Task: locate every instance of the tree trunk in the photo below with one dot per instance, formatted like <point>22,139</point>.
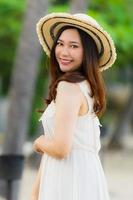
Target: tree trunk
<point>77,6</point>
<point>23,81</point>
<point>123,120</point>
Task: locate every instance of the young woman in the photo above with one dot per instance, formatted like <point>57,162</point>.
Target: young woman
<point>78,49</point>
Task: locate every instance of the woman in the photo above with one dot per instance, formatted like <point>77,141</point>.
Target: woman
<point>78,49</point>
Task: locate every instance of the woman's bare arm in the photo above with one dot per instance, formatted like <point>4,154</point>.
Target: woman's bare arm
<point>68,102</point>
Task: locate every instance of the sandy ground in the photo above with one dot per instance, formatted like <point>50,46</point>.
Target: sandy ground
<point>118,167</point>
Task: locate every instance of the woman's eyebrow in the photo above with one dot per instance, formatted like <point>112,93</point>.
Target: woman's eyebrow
<point>74,42</point>
<point>69,41</point>
<point>60,40</point>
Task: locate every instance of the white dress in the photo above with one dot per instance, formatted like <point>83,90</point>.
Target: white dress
<point>80,175</point>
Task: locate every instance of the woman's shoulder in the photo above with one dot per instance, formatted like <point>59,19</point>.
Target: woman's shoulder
<point>68,94</point>
<point>67,87</point>
<point>67,90</point>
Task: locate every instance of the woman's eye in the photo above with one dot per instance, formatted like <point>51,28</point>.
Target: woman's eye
<point>59,44</point>
<point>74,46</point>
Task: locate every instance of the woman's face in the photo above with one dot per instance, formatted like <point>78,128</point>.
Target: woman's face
<point>69,50</point>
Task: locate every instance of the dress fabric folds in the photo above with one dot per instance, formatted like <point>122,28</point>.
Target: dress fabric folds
<point>80,175</point>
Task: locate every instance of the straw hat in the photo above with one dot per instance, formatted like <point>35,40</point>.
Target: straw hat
<point>48,27</point>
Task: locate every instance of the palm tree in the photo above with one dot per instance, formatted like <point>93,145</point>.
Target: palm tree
<point>23,82</point>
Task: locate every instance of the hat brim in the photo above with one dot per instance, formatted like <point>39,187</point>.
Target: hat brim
<point>48,27</point>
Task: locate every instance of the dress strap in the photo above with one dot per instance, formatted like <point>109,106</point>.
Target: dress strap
<point>84,86</point>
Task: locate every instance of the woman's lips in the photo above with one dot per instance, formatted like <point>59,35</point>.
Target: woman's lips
<point>65,61</point>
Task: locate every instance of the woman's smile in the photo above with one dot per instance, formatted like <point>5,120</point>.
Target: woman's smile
<point>65,61</point>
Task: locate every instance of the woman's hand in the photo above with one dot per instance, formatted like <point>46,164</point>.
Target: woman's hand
<point>38,144</point>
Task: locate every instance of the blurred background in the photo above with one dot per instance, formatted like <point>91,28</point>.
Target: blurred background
<point>24,79</point>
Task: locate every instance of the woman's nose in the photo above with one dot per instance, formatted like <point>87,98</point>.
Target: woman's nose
<point>65,51</point>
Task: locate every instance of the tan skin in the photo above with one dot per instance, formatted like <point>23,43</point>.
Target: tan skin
<point>60,144</point>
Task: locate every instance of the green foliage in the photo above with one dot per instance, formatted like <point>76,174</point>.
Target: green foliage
<point>116,18</point>
<point>38,102</point>
<point>11,13</point>
<point>59,8</point>
<point>58,2</point>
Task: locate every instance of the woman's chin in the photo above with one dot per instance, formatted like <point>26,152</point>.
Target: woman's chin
<point>65,70</point>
